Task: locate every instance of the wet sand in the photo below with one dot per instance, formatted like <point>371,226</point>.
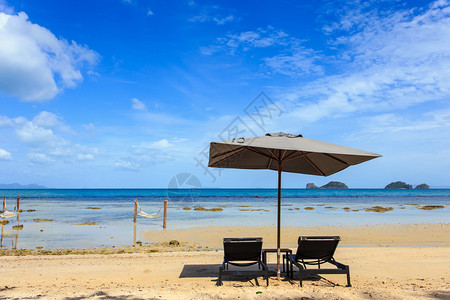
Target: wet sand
<point>415,235</point>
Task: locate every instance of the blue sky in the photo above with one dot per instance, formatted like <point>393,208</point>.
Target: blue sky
<point>129,93</point>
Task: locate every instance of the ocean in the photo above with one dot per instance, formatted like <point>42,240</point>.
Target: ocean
<point>55,218</point>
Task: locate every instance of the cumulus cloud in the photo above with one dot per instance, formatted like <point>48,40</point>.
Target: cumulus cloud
<point>46,137</point>
<point>161,144</point>
<point>34,64</point>
<point>5,155</point>
<point>150,12</point>
<point>136,104</point>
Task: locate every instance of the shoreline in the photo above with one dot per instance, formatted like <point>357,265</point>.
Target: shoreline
<point>210,238</point>
<point>380,235</point>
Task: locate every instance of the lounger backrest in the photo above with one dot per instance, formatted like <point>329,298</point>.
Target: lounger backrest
<point>316,247</point>
<point>242,249</point>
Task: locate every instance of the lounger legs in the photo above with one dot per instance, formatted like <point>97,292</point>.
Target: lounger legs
<point>219,280</point>
<point>223,269</point>
<point>348,277</point>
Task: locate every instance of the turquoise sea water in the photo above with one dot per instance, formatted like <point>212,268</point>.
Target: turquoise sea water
<point>68,207</point>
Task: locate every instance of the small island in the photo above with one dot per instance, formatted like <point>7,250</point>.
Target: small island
<point>329,185</point>
<point>423,186</point>
<point>398,185</point>
<point>311,186</point>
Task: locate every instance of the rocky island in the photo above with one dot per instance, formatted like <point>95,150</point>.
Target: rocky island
<point>423,186</point>
<point>398,185</point>
<point>329,185</point>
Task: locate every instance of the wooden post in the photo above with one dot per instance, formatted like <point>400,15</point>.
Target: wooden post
<point>4,204</point>
<point>165,213</point>
<point>134,234</point>
<point>135,210</point>
<point>17,211</point>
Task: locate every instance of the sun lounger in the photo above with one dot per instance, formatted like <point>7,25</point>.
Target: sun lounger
<point>316,251</point>
<point>242,252</point>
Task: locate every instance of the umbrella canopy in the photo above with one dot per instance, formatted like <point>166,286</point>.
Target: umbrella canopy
<point>288,153</point>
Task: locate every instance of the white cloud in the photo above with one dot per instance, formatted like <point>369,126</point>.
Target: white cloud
<point>161,144</point>
<point>146,154</point>
<point>299,61</point>
<point>34,64</point>
<point>47,119</point>
<point>136,104</point>
<point>393,123</point>
<point>212,14</point>
<point>5,121</point>
<point>5,155</point>
<point>289,57</point>
<point>127,165</point>
<point>35,136</point>
<point>206,18</point>
<point>39,158</point>
<point>46,138</point>
<point>261,38</point>
<point>150,12</point>
<point>393,61</point>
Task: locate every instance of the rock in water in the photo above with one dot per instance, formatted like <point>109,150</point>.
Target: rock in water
<point>311,186</point>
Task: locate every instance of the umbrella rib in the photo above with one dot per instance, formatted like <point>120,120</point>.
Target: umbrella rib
<point>270,162</point>
<point>261,153</point>
<point>291,156</point>
<point>282,156</point>
<point>273,154</point>
<point>314,166</point>
<point>236,151</point>
<point>339,160</point>
<point>227,152</point>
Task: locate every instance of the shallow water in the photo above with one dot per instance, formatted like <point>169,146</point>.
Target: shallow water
<point>115,227</point>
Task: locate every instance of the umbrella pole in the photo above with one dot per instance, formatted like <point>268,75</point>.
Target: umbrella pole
<point>279,221</point>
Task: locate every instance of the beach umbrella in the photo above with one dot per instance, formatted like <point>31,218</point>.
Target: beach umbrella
<point>287,153</point>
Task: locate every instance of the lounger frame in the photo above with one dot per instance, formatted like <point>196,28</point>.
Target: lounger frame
<point>242,252</point>
<point>316,251</point>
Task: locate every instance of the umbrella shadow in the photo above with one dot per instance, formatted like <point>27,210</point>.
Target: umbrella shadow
<point>212,270</point>
<point>200,271</point>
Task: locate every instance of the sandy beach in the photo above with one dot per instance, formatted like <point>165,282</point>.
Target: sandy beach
<point>386,261</point>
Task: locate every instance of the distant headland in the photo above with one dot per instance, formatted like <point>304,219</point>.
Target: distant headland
<point>20,186</point>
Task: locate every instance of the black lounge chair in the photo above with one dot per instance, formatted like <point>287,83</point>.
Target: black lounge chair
<point>316,250</point>
<point>242,252</point>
